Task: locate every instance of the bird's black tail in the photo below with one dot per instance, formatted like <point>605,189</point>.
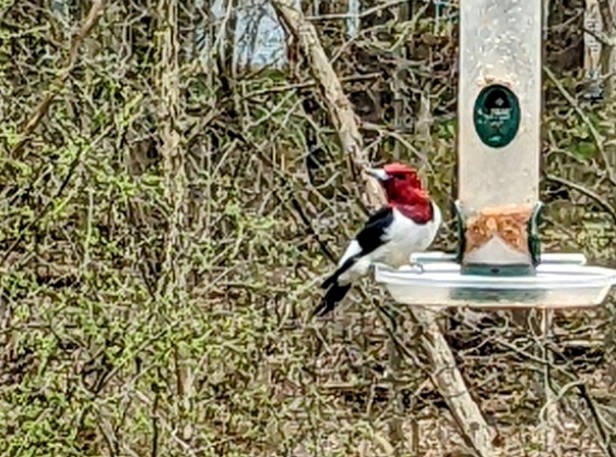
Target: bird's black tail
<point>333,278</point>
<point>332,297</point>
<point>335,291</point>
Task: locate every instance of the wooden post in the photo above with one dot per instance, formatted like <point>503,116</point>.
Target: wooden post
<point>600,47</point>
<point>499,113</point>
<point>546,18</point>
<point>592,49</point>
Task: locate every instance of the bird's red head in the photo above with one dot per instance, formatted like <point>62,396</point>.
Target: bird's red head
<point>401,184</point>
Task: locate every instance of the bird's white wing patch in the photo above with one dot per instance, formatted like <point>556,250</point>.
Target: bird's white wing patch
<point>405,237</point>
<point>353,249</point>
<point>437,219</point>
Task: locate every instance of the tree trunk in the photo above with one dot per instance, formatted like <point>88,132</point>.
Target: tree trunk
<point>172,154</point>
<point>172,290</point>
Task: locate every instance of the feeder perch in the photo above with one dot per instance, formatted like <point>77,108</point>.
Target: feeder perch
<point>499,263</point>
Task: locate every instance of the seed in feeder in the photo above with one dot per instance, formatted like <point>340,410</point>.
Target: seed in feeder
<point>509,223</point>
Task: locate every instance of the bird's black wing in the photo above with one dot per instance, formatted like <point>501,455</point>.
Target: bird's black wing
<point>370,237</point>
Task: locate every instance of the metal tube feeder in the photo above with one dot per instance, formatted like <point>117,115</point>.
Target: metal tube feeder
<point>499,263</point>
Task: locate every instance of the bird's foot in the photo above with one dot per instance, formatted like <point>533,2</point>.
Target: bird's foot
<point>417,267</point>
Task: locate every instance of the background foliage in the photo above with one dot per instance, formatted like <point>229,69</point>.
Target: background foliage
<point>167,211</point>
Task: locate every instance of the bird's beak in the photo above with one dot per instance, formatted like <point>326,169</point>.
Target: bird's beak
<point>378,173</point>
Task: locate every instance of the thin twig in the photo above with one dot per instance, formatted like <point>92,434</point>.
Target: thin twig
<point>41,110</point>
<point>597,137</point>
<point>367,12</point>
<point>51,201</point>
<point>307,85</point>
<point>601,37</point>
<point>585,191</point>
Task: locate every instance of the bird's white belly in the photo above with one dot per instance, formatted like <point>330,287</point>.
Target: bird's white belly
<point>407,237</point>
<point>398,251</point>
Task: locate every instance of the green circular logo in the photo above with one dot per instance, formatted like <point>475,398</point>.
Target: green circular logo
<point>496,115</point>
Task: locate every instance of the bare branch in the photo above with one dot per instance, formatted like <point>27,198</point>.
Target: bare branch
<point>586,191</point>
<point>597,137</point>
<point>95,13</point>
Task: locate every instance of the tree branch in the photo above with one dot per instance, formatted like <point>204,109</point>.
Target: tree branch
<point>585,191</point>
<point>445,373</point>
<point>598,139</point>
<point>95,13</point>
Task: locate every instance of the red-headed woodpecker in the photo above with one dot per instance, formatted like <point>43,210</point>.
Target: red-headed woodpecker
<point>408,223</point>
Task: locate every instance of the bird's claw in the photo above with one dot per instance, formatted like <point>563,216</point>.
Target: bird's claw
<point>418,267</point>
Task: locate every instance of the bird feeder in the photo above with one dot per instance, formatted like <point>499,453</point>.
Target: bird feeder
<point>499,263</point>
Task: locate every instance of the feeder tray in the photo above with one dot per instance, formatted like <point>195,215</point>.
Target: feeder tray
<point>546,258</point>
<point>560,281</point>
